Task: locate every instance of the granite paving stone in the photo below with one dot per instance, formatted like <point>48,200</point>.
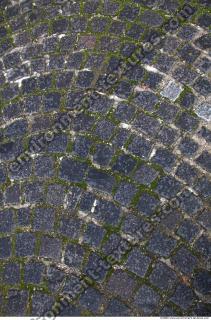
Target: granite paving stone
<point>105,160</point>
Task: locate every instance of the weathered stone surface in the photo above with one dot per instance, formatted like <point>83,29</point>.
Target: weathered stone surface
<point>172,91</point>
<point>105,158</point>
<point>204,111</point>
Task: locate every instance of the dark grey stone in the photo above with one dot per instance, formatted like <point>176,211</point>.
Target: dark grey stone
<point>17,128</point>
<point>167,112</point>
<point>168,187</point>
<point>16,304</point>
<point>6,220</point>
<point>99,24</point>
<point>138,262</point>
<point>204,42</point>
<point>25,244</point>
<point>187,101</point>
<point>203,186</point>
<point>204,160</point>
<point>72,170</point>
<point>147,204</point>
<point>85,79</point>
<point>50,248</point>
<point>188,147</point>
<point>124,89</point>
<point>52,101</point>
<point>183,296</point>
<point>112,244</point>
<point>58,144</point>
<point>106,211</point>
<point>56,194</point>
<point>12,195</point>
<point>23,217</point>
<point>11,274</point>
<point>161,244</point>
<point>29,85</point>
<point>125,193</point>
<point>74,254</point>
<point>163,277</point>
<point>44,166</point>
<point>120,138</point>
<point>203,245</point>
<point>165,159</point>
<point>153,80</point>
<point>151,18</point>
<point>145,175</point>
<point>93,268</point>
<point>189,53</point>
<point>93,235</point>
<point>203,86</point>
<point>140,147</point>
<point>32,104</point>
<point>148,125</point>
<point>81,146</point>
<point>100,180</point>
<point>184,261</point>
<point>70,227</point>
<point>129,13</point>
<point>164,62</point>
<point>5,247</point>
<point>117,308</point>
<point>103,154</point>
<point>34,192</point>
<point>188,230</point>
<point>60,25</point>
<point>187,172</point>
<point>33,272</point>
<point>44,219</point>
<point>73,196</point>
<point>146,100</point>
<point>124,164</point>
<point>205,219</point>
<point>104,129</point>
<point>64,79</point>
<point>187,32</point>
<point>2,174</point>
<point>121,284</point>
<point>187,122</point>
<point>54,278</point>
<point>146,300</point>
<point>190,203</point>
<point>167,136</point>
<point>91,299</point>
<point>75,61</point>
<point>204,64</point>
<point>41,303</point>
<point>202,282</point>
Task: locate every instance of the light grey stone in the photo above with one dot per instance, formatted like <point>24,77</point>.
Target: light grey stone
<point>203,110</point>
<point>172,91</point>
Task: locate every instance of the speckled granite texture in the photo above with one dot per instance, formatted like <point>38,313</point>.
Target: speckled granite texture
<point>105,160</point>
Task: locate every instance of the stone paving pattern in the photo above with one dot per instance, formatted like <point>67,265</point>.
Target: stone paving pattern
<point>139,145</point>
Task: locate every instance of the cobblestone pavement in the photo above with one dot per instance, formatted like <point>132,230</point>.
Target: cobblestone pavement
<point>141,143</point>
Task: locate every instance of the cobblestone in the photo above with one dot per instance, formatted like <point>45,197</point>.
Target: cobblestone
<point>163,277</point>
<point>146,300</point>
<point>126,85</point>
